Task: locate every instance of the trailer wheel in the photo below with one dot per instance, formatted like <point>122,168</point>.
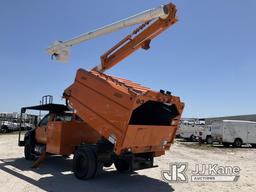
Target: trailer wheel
<point>28,151</point>
<point>122,165</point>
<point>237,143</point>
<point>85,163</point>
<point>209,140</point>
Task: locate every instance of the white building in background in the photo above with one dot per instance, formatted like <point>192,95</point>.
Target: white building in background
<point>9,115</point>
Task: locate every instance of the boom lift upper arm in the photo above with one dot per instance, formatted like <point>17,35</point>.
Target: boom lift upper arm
<point>139,38</point>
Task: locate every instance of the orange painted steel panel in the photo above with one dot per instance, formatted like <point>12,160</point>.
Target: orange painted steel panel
<point>41,136</point>
<point>62,137</point>
<point>106,104</point>
<point>147,138</point>
<point>147,135</point>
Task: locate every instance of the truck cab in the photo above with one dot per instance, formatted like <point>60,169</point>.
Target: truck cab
<point>42,127</point>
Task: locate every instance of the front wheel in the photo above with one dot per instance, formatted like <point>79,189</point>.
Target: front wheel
<point>28,151</point>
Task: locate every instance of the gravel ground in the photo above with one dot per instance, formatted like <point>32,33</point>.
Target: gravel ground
<point>55,173</point>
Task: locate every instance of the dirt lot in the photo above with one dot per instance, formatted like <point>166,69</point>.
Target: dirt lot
<point>55,174</point>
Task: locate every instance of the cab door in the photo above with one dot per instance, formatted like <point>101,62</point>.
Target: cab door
<point>41,130</point>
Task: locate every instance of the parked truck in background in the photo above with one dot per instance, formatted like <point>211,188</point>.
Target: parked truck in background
<point>190,130</point>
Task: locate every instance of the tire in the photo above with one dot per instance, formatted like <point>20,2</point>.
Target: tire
<point>237,143</point>
<point>225,144</point>
<point>192,138</point>
<point>99,169</point>
<point>4,129</point>
<point>253,145</point>
<point>85,162</point>
<point>28,151</point>
<point>209,140</point>
<point>122,165</point>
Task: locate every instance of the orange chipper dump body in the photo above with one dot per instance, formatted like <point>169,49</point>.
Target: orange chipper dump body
<point>132,117</point>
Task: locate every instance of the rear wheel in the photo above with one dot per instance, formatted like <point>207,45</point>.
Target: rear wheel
<point>28,150</point>
<point>237,143</point>
<point>122,165</point>
<point>85,162</point>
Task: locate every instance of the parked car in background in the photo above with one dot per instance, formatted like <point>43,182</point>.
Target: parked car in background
<point>7,126</point>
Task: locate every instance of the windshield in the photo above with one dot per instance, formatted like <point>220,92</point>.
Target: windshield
<point>64,117</point>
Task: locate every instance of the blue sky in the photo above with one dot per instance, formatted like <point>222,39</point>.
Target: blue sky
<point>208,58</point>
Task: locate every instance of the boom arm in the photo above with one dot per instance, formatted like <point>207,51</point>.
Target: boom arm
<point>163,17</point>
<point>138,39</point>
